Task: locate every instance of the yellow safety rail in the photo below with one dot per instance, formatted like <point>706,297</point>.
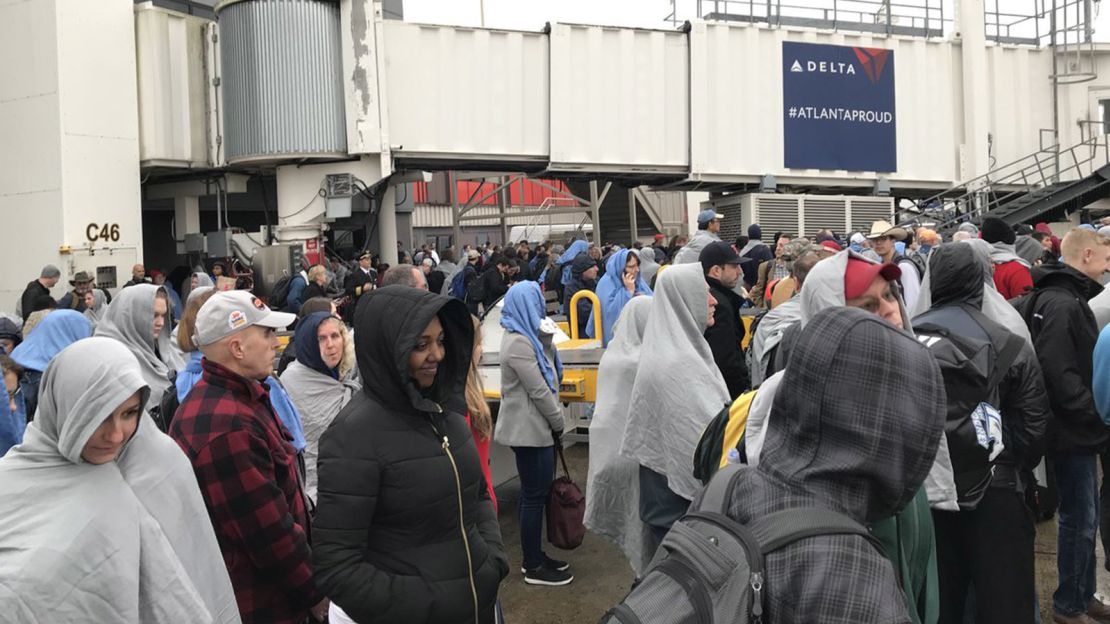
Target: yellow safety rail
<point>589,294</point>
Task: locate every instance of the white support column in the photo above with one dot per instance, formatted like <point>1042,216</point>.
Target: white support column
<point>976,110</point>
<point>387,227</point>
<point>186,219</point>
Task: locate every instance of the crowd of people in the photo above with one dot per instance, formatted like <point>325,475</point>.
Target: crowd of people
<point>163,462</point>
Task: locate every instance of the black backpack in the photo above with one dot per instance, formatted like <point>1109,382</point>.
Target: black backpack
<point>162,414</point>
<point>709,567</point>
<point>553,281</point>
<point>972,369</point>
<point>279,294</point>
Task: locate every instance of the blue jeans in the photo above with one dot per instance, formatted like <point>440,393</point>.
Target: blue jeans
<point>1077,482</point>
<point>536,467</point>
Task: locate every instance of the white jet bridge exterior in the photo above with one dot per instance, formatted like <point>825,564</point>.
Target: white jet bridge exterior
<point>106,96</point>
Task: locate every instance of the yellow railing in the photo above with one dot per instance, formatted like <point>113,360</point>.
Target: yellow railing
<point>589,294</point>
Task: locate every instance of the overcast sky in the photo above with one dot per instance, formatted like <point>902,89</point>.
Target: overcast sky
<point>533,14</point>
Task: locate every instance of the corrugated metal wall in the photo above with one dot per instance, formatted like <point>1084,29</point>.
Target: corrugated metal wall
<point>282,79</point>
<point>463,91</point>
<point>619,97</point>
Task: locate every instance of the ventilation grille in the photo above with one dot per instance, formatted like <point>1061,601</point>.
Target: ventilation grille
<point>865,211</point>
<point>825,213</point>
<point>778,214</point>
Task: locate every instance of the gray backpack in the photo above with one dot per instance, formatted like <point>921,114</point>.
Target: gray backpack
<point>709,568</point>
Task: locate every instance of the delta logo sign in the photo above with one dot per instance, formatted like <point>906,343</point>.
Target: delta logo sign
<point>838,108</point>
<point>872,61</point>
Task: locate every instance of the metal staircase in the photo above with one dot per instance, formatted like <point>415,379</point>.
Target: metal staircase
<point>1044,184</point>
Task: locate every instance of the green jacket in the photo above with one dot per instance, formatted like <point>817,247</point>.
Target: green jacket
<point>910,545</point>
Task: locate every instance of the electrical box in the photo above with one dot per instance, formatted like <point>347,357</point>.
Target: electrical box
<point>339,188</point>
<point>272,263</point>
<point>219,243</point>
<point>194,243</point>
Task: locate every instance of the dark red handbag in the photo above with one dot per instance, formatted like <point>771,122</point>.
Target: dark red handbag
<point>566,509</point>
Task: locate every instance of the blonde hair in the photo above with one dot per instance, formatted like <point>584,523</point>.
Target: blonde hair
<point>316,271</point>
<point>480,419</point>
<point>1080,239</point>
<point>188,322</point>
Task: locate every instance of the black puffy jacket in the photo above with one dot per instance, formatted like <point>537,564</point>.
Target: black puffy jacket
<point>1064,334</point>
<point>404,528</point>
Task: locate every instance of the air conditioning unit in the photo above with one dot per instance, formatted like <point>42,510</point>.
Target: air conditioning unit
<point>800,215</point>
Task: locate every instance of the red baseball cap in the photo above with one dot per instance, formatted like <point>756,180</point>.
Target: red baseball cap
<point>659,237</point>
<point>831,244</point>
<point>860,274</point>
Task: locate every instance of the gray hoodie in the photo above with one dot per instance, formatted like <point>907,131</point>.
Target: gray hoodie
<point>834,445</point>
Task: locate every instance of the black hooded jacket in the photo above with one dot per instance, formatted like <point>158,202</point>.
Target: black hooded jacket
<point>1064,335</point>
<point>957,279</point>
<point>725,336</point>
<point>404,528</point>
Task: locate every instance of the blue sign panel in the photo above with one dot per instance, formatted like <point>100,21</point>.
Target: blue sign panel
<point>838,108</point>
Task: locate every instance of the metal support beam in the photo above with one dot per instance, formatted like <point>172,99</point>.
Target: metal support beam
<point>456,229</point>
<point>561,191</point>
<point>521,213</point>
<point>649,209</point>
<point>504,201</point>
<point>595,213</point>
<point>634,231</point>
<point>472,203</point>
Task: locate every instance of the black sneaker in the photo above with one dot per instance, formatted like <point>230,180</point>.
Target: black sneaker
<point>546,576</point>
<point>550,564</point>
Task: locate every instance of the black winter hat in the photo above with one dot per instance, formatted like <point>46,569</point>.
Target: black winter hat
<point>581,264</point>
<point>995,230</point>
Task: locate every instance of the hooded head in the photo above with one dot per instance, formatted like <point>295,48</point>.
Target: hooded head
<point>577,247</point>
<point>836,436</point>
<point>957,274</point>
<point>10,330</point>
<point>81,388</point>
<point>133,318</point>
<point>524,312</point>
<point>388,324</point>
<point>306,344</point>
<point>647,258</point>
<point>55,332</point>
<point>754,232</point>
<point>995,230</point>
<point>581,264</point>
<point>824,286</point>
<point>629,328</point>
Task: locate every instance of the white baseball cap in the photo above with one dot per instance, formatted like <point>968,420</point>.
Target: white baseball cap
<point>228,312</point>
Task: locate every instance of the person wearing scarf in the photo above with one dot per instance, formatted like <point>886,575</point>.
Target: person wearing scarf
<point>531,419</point>
<point>1011,271</point>
<point>139,317</point>
<point>678,390</point>
<point>314,383</point>
<point>621,282</point>
<point>613,500</point>
<point>55,332</point>
<point>128,547</point>
<point>572,252</point>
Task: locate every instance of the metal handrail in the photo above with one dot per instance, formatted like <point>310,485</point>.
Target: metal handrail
<point>971,200</point>
<point>926,16</point>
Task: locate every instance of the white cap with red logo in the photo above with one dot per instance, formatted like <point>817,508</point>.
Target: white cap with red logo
<point>232,311</point>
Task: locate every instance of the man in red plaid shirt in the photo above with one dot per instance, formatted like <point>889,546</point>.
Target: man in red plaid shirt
<point>245,465</point>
